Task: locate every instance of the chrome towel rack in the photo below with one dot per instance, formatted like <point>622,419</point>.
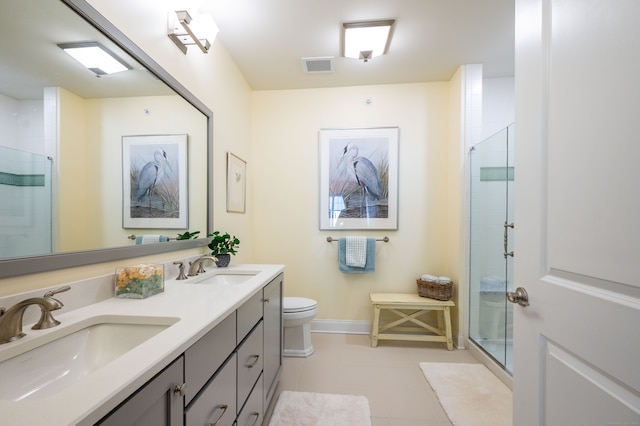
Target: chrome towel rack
<point>384,239</point>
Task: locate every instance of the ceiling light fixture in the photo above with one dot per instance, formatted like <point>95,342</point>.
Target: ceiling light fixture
<point>366,40</point>
<point>95,57</point>
<point>186,30</point>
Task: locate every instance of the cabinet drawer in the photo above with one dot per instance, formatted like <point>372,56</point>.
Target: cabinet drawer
<point>207,355</point>
<point>249,363</point>
<point>248,315</point>
<point>252,412</point>
<point>216,404</point>
<point>155,404</point>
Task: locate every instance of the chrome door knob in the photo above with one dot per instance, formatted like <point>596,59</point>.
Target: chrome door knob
<point>519,296</point>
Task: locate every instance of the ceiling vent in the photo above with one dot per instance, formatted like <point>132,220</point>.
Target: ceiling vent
<point>318,65</point>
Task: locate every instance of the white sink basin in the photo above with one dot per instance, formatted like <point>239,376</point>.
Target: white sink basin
<point>226,278</point>
<point>61,358</point>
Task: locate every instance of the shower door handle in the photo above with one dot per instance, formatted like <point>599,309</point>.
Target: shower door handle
<point>519,296</point>
<point>506,238</point>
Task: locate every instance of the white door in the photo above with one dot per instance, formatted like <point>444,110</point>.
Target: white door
<point>577,213</point>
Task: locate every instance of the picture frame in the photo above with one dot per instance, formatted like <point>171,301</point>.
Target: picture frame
<point>154,182</point>
<point>236,183</point>
<point>359,178</point>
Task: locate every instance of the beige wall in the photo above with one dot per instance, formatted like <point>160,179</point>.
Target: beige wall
<point>285,170</point>
<point>276,132</point>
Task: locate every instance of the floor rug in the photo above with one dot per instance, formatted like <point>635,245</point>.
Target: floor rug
<point>470,394</point>
<point>320,409</point>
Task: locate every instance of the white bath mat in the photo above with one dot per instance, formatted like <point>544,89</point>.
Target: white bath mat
<point>320,409</point>
<point>470,394</point>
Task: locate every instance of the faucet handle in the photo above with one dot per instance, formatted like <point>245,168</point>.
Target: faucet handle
<point>50,293</point>
<point>46,319</point>
<point>181,275</point>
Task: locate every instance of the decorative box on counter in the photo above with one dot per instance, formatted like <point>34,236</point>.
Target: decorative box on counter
<point>139,281</point>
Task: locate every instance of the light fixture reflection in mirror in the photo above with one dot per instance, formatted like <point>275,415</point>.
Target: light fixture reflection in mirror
<point>147,79</point>
<point>95,57</point>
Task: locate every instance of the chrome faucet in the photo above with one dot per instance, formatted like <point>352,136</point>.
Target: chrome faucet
<point>196,267</point>
<point>11,319</point>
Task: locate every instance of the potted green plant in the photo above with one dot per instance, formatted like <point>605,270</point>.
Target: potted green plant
<point>223,246</point>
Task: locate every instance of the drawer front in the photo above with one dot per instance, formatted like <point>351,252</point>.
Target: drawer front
<point>248,315</point>
<point>207,355</point>
<point>216,405</point>
<point>249,363</point>
<point>252,412</point>
<point>155,404</point>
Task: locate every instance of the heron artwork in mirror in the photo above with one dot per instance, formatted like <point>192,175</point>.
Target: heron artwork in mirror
<point>61,151</point>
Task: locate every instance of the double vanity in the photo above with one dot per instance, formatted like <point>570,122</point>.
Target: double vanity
<point>208,350</point>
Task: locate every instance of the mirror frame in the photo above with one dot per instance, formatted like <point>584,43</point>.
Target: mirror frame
<point>36,264</point>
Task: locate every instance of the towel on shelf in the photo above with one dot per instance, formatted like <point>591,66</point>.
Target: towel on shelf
<point>151,239</point>
<point>370,264</point>
<point>356,251</point>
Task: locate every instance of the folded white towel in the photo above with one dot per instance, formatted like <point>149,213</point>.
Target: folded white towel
<point>429,277</point>
<point>150,239</point>
<point>356,251</point>
<point>443,280</point>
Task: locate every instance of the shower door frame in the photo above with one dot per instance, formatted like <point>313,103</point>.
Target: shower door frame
<point>491,247</point>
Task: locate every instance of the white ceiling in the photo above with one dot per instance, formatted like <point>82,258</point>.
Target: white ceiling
<point>267,39</point>
<point>432,38</point>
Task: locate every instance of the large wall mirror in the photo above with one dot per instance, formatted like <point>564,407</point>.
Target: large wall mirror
<point>63,133</point>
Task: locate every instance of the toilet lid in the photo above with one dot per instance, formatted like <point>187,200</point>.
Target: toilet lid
<point>298,304</point>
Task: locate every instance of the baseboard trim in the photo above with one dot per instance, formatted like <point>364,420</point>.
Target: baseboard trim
<point>340,326</point>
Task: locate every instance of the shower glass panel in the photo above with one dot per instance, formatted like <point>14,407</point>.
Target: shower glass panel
<point>25,211</point>
<point>491,246</point>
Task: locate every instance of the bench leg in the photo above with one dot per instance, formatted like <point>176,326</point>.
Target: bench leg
<point>447,323</point>
<point>375,326</point>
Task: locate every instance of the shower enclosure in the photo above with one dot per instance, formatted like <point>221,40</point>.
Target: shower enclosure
<point>26,207</point>
<point>491,246</point>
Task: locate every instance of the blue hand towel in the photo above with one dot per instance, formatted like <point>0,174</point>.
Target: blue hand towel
<point>370,265</point>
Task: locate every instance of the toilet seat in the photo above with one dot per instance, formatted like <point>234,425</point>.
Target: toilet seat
<point>298,304</point>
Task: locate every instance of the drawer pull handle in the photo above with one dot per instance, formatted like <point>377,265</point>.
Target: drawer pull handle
<point>266,300</point>
<point>256,419</point>
<point>180,390</point>
<point>224,410</point>
<point>255,361</point>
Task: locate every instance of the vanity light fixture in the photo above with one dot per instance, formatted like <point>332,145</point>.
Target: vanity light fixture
<point>366,39</point>
<point>186,30</point>
<point>95,57</point>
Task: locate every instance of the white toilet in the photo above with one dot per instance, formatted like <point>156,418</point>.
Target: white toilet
<point>297,313</point>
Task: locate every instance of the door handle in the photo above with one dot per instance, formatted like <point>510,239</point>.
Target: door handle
<point>520,297</point>
<point>506,238</point>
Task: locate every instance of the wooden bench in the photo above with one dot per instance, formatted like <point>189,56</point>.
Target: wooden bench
<point>399,304</point>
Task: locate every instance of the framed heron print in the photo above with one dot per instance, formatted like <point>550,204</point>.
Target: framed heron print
<point>236,183</point>
<point>359,178</point>
<point>154,181</point>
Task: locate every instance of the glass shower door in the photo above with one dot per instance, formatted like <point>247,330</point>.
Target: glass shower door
<point>491,246</point>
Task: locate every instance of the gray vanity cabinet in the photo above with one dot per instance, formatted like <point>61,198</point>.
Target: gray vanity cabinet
<point>230,373</point>
<point>158,403</point>
<point>272,336</point>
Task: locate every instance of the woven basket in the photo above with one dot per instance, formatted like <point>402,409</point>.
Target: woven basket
<point>434,290</point>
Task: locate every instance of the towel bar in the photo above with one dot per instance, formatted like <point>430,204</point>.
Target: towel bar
<point>385,239</point>
<point>133,237</point>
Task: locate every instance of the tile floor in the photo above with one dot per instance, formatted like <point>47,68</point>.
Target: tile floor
<point>389,376</point>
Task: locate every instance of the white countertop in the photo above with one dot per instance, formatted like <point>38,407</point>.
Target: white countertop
<point>199,307</point>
